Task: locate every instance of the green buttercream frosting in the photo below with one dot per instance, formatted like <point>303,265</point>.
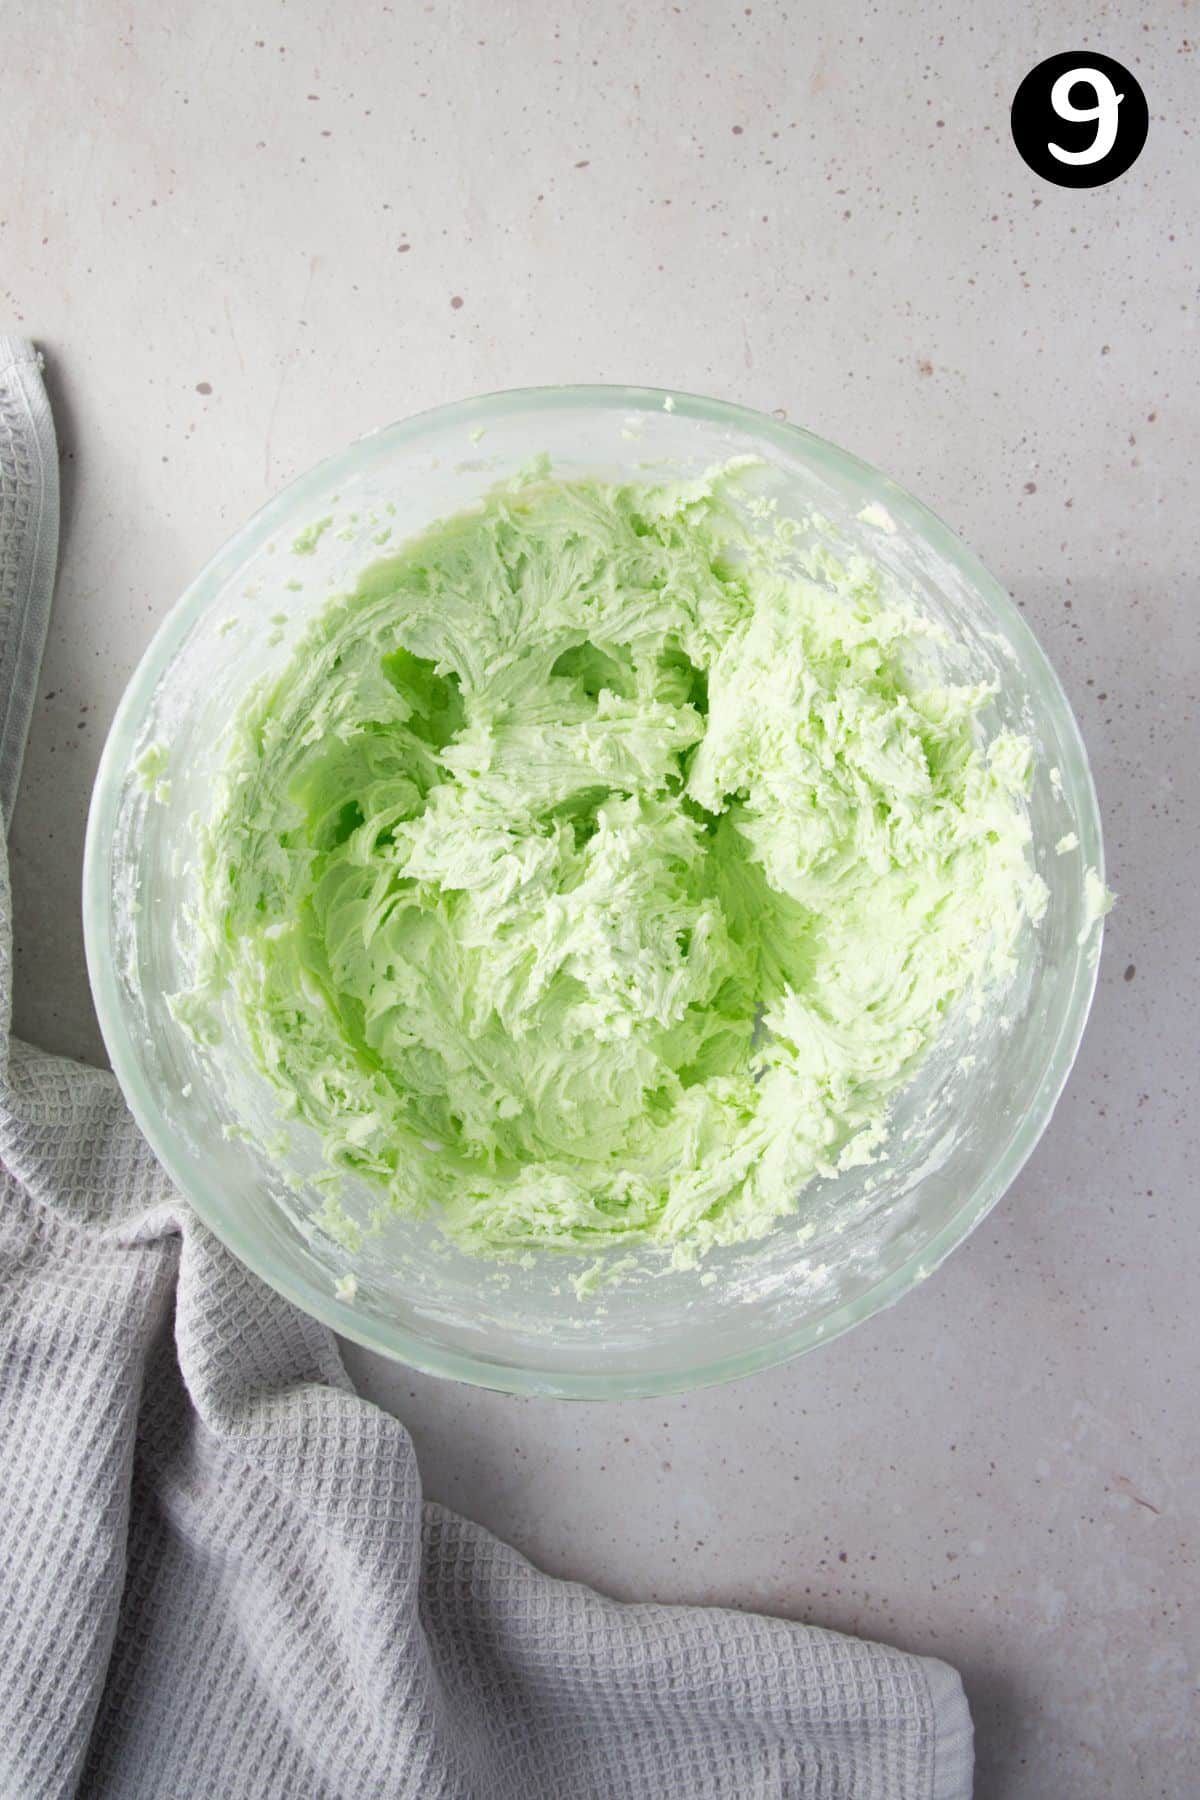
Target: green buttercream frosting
<point>599,869</point>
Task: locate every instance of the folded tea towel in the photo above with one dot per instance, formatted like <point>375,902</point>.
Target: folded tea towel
<point>217,1575</point>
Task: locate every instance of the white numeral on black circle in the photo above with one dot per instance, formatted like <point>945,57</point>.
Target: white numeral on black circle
<point>1104,112</point>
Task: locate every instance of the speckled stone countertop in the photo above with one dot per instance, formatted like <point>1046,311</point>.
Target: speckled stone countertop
<point>245,239</point>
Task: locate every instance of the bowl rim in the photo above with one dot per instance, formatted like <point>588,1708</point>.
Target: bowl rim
<point>398,1342</point>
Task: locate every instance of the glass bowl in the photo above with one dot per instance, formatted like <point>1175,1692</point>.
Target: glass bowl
<point>960,1131</point>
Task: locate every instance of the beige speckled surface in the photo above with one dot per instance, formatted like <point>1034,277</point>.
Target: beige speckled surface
<point>243,239</point>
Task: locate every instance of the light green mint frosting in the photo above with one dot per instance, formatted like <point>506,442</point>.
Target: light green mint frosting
<point>597,871</point>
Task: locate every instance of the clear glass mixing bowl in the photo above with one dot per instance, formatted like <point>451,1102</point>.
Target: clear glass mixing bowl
<point>961,1131</point>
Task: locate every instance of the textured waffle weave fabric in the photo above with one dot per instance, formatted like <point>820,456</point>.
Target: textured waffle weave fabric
<point>217,1574</point>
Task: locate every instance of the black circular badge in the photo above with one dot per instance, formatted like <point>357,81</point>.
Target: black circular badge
<point>1079,119</point>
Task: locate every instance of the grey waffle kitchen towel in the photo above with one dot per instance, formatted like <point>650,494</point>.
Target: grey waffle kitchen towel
<point>217,1576</point>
